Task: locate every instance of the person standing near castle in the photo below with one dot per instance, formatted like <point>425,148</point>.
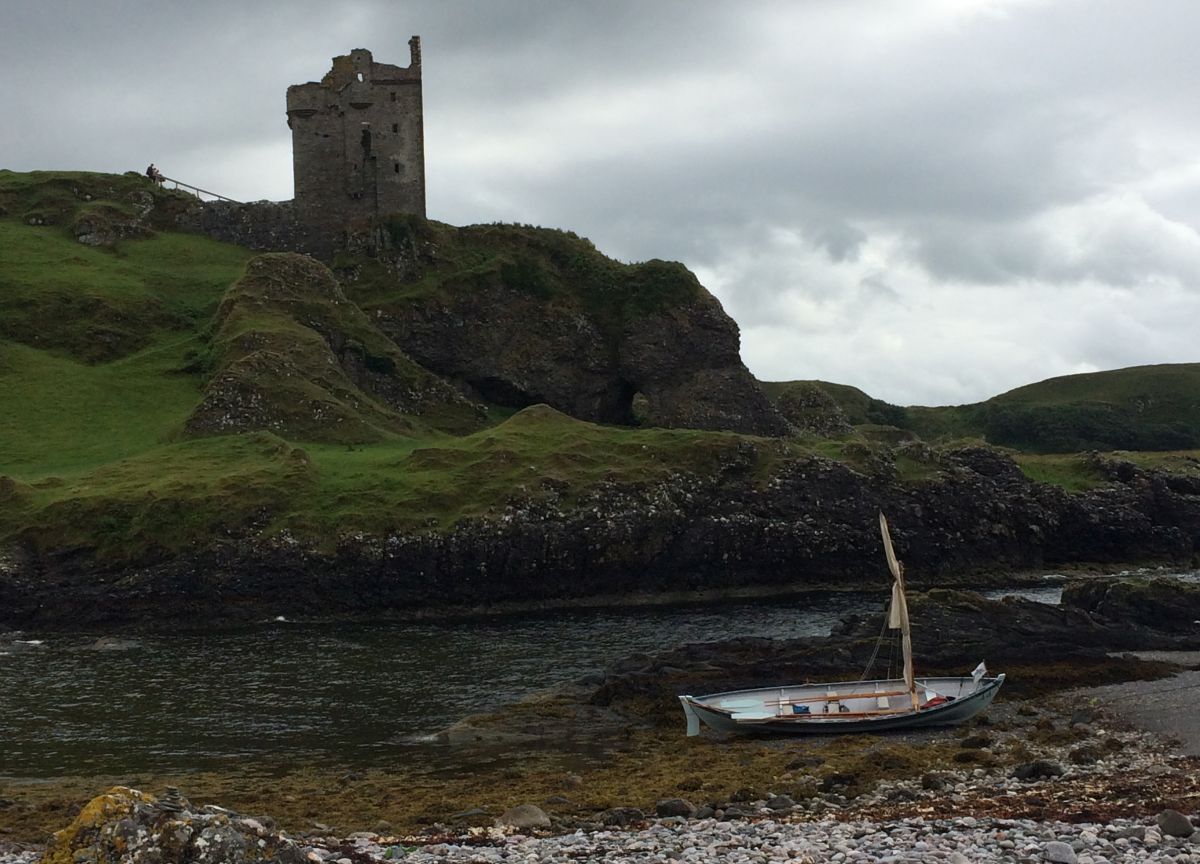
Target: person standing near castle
<point>154,174</point>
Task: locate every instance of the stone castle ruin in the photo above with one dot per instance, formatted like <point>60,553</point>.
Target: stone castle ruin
<point>358,156</point>
<point>358,143</point>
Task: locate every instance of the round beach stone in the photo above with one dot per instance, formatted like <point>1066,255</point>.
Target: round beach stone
<point>1175,824</point>
<point>523,816</point>
<point>1059,853</point>
<point>674,807</point>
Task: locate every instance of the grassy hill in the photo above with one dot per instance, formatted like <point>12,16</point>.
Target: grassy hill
<point>96,342</point>
<point>1140,408</point>
<point>109,353</point>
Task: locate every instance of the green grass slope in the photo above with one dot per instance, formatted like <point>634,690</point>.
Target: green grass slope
<point>1140,408</point>
<point>860,409</point>
<point>107,352</point>
<point>96,342</point>
<point>171,495</point>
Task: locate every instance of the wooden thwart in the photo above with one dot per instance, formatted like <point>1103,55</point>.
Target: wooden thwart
<point>835,697</point>
<point>830,717</point>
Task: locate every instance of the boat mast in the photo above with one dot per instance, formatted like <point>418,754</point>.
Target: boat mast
<point>898,615</point>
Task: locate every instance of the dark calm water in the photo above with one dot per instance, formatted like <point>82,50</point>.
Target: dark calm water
<point>356,695</point>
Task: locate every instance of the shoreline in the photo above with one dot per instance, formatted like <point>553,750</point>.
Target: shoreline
<point>985,579</point>
<point>1042,755</point>
<point>970,806</point>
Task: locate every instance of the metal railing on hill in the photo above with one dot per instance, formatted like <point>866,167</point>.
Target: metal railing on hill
<point>197,191</point>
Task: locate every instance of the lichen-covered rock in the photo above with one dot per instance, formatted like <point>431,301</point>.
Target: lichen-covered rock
<point>104,226</point>
<point>124,826</point>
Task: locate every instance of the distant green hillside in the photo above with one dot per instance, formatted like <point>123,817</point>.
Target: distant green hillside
<point>1139,408</point>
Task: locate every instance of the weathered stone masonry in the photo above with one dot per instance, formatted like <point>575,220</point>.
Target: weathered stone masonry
<point>358,155</point>
<point>358,144</point>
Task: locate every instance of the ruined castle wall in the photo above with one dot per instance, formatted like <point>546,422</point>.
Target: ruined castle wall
<point>358,142</point>
<point>263,225</point>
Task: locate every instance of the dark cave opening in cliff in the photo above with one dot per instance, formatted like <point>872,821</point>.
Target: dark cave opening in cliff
<point>625,405</point>
<point>499,391</point>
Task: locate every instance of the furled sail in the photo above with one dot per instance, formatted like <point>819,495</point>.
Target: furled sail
<point>898,614</point>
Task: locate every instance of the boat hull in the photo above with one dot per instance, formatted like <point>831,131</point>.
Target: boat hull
<point>749,711</point>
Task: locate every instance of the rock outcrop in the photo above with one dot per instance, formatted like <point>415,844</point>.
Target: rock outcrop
<point>808,523</point>
<point>124,825</point>
<point>295,357</point>
<point>525,315</point>
<point>1153,602</point>
<point>812,411</point>
<point>546,318</point>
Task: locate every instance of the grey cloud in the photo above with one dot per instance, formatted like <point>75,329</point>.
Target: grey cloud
<point>898,195</point>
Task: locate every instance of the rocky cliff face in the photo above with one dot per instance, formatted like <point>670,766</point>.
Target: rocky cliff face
<point>523,316</point>
<point>516,351</point>
<point>812,524</point>
<point>546,318</point>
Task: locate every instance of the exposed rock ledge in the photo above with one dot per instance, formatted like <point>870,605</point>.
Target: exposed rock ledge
<point>810,525</point>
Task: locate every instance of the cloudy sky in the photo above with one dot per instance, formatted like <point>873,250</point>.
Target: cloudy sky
<point>934,200</point>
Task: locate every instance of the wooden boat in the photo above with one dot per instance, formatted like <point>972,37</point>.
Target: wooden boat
<point>851,706</point>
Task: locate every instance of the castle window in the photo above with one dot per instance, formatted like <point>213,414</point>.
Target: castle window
<point>395,127</point>
<point>393,95</point>
<point>360,77</point>
<point>396,167</point>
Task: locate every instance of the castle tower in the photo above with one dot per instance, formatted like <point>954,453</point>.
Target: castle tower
<point>358,142</point>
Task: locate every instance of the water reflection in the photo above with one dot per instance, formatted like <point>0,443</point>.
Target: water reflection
<point>344,694</point>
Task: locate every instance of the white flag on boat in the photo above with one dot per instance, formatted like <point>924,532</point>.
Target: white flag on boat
<point>978,672</point>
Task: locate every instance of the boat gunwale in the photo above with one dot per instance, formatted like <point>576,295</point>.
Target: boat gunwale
<point>990,684</point>
<point>999,677</point>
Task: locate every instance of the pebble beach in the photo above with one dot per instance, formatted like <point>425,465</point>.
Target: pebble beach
<point>1052,810</point>
<point>910,840</point>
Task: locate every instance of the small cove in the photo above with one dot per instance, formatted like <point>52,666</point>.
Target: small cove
<point>355,695</point>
